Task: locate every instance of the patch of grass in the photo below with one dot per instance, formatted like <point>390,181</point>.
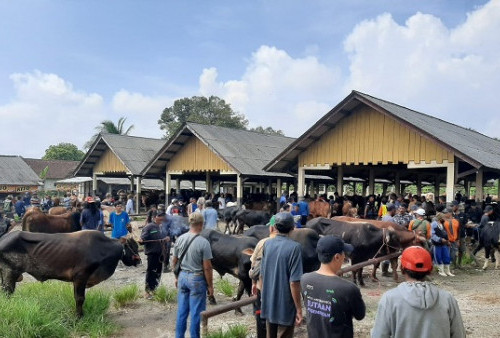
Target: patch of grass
<point>225,287</point>
<point>234,331</point>
<point>48,310</point>
<point>165,295</point>
<point>467,259</point>
<point>126,296</point>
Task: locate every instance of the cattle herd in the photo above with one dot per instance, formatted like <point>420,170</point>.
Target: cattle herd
<point>54,247</point>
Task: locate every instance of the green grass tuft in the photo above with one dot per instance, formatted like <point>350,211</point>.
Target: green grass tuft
<point>234,331</point>
<point>126,296</point>
<point>165,295</point>
<point>467,259</point>
<point>48,310</point>
<point>225,287</point>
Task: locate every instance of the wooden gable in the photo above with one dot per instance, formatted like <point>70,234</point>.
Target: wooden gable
<point>196,156</point>
<point>109,163</point>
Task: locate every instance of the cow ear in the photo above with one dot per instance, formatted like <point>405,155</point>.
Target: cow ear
<point>248,252</point>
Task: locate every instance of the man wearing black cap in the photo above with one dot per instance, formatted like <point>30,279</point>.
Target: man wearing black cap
<point>281,269</point>
<point>331,301</point>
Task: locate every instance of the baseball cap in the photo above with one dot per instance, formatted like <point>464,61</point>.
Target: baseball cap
<point>283,222</point>
<point>89,199</point>
<point>420,212</point>
<point>330,245</point>
<point>416,258</point>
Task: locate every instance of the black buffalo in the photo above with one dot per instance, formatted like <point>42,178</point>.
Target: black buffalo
<point>307,238</point>
<point>251,218</point>
<point>489,238</point>
<point>228,214</point>
<point>85,258</point>
<point>231,254</point>
<point>367,239</point>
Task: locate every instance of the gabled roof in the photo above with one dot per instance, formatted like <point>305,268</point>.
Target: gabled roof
<point>134,152</point>
<point>58,169</point>
<point>467,144</point>
<point>14,171</point>
<point>245,151</point>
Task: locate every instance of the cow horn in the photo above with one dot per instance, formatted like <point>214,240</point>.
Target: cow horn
<point>248,252</point>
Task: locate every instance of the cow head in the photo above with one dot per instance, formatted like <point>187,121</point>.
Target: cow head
<point>392,238</point>
<point>131,253</point>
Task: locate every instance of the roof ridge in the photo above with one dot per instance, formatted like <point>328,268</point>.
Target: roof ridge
<point>239,130</point>
<point>426,115</point>
<point>134,136</point>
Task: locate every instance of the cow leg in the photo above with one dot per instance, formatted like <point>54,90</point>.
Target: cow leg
<point>241,289</point>
<point>9,279</point>
<point>394,266</point>
<point>374,272</point>
<point>360,277</point>
<point>487,251</point>
<point>79,292</point>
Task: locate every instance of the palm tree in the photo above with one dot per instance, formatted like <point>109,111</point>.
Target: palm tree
<point>108,126</point>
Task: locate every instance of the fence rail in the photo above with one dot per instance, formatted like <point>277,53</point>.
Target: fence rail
<point>205,315</point>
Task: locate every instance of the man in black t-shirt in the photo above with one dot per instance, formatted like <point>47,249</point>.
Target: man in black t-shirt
<point>331,301</point>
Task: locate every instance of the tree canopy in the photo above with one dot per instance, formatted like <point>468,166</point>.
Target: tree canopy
<point>108,126</point>
<point>63,151</point>
<point>212,111</point>
<point>268,131</point>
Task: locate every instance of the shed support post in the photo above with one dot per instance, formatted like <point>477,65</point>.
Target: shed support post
<point>193,185</point>
<point>278,194</point>
<point>436,187</point>
<point>340,180</point>
<point>450,182</point>
<point>208,183</point>
<point>168,183</point>
<point>467,187</point>
<point>371,181</point>
<point>178,187</point>
<point>269,188</point>
<point>301,181</point>
<point>239,190</point>
<point>397,183</point>
<point>479,185</point>
<point>138,195</point>
<point>419,186</point>
<point>131,178</point>
<point>94,184</point>
<point>287,188</point>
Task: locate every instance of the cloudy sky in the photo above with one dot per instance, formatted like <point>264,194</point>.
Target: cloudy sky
<point>67,65</point>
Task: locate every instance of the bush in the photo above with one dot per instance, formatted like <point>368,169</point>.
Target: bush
<point>126,295</point>
<point>48,310</point>
<point>234,331</point>
<point>165,295</point>
<point>225,287</point>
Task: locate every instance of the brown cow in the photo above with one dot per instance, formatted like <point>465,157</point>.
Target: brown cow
<point>319,208</point>
<point>406,238</point>
<point>59,210</point>
<point>36,221</point>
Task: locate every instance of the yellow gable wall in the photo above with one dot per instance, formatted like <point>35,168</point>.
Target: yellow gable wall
<point>109,163</point>
<point>195,156</point>
<point>369,137</point>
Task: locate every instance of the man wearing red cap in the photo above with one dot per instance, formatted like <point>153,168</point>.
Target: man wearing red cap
<point>417,308</point>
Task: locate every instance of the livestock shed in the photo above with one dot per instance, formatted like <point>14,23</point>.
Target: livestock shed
<point>119,156</point>
<point>16,176</point>
<point>51,171</point>
<point>367,137</point>
<point>222,155</point>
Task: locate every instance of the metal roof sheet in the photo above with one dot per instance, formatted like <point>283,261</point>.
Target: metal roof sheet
<point>14,171</point>
<point>58,169</point>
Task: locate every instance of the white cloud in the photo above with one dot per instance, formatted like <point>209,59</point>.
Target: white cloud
<point>451,73</point>
<point>277,90</point>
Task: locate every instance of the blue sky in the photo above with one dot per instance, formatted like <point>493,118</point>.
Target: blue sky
<point>66,65</point>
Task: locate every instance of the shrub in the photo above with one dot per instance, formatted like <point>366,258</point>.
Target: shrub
<point>225,287</point>
<point>126,296</point>
<point>165,295</point>
<point>234,331</point>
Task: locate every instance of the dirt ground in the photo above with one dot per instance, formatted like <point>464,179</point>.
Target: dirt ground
<point>477,293</point>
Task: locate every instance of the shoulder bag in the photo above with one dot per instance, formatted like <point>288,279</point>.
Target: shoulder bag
<point>177,268</point>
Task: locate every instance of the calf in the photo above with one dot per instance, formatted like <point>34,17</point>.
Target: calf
<point>36,221</point>
<point>85,258</point>
<point>231,254</point>
<point>228,214</point>
<point>490,239</point>
<point>367,239</point>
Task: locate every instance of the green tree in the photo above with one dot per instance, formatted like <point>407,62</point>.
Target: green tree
<point>212,111</point>
<point>63,151</point>
<point>268,131</point>
<point>108,126</point>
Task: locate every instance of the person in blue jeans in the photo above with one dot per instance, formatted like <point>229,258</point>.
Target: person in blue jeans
<point>195,277</point>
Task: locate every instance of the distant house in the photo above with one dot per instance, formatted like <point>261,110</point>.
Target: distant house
<point>51,171</point>
<point>16,177</point>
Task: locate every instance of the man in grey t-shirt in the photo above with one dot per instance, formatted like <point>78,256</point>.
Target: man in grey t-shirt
<point>195,278</point>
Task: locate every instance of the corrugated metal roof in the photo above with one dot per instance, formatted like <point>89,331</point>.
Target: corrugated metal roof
<point>245,151</point>
<point>58,169</point>
<point>469,145</point>
<point>14,171</point>
<point>134,152</point>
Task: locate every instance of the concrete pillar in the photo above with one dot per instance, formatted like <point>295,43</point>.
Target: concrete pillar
<point>278,194</point>
<point>299,188</point>
<point>340,180</point>
<point>94,184</point>
<point>436,187</point>
<point>178,187</point>
<point>239,190</point>
<point>208,183</point>
<point>193,185</point>
<point>287,188</point>
<point>384,189</point>
<point>168,184</point>
<point>419,186</point>
<point>269,187</point>
<point>138,195</point>
<point>131,183</point>
<point>467,187</point>
<point>450,182</point>
<point>371,181</point>
<point>397,183</point>
<point>479,185</point>
<point>316,189</point>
